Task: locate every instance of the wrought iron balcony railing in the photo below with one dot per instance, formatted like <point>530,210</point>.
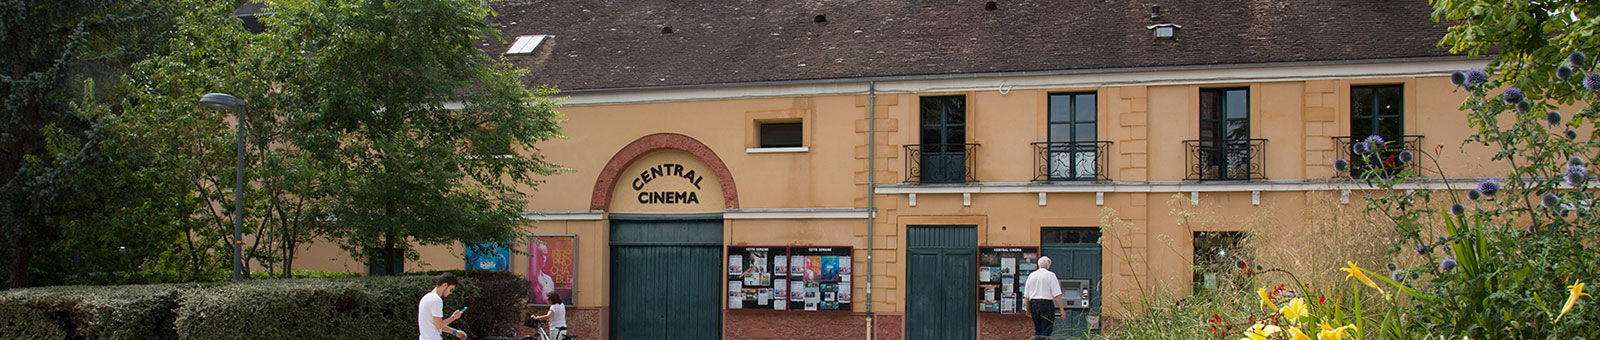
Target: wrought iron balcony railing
<point>1070,161</point>
<point>941,163</point>
<point>1384,160</point>
<point>1229,160</point>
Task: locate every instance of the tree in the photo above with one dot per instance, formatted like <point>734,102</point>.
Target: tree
<point>54,164</point>
<point>284,188</point>
<point>1525,37</point>
<point>382,82</point>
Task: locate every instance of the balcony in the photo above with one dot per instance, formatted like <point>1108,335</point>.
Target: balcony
<point>1385,161</point>
<point>941,163</point>
<point>1230,160</point>
<point>1070,161</point>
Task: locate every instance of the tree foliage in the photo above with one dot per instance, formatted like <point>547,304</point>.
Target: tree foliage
<point>59,174</point>
<point>432,136</point>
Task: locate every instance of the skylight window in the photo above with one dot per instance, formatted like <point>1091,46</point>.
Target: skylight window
<point>526,44</point>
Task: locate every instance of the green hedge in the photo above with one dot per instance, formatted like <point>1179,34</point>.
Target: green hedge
<point>120,312</point>
<point>347,308</point>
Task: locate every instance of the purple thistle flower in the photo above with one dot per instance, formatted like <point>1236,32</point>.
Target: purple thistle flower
<point>1576,175</point>
<point>1576,58</point>
<point>1571,134</point>
<point>1459,78</point>
<point>1554,118</point>
<point>1474,194</point>
<point>1549,200</point>
<point>1391,266</point>
<point>1448,264</point>
<point>1398,276</point>
<point>1592,81</point>
<point>1489,187</point>
<point>1458,209</point>
<point>1361,148</point>
<point>1406,156</point>
<point>1524,106</point>
<point>1375,140</point>
<point>1562,72</point>
<point>1476,76</point>
<point>1422,249</point>
<point>1575,161</point>
<point>1414,276</point>
<point>1340,165</point>
<point>1512,95</point>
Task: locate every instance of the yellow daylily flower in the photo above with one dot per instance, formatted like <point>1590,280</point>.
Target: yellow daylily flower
<point>1260,332</point>
<point>1355,272</point>
<point>1575,291</point>
<point>1298,335</point>
<point>1266,299</point>
<point>1295,310</point>
<point>1330,333</point>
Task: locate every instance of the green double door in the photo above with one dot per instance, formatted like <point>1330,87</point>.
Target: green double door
<point>942,282</point>
<point>1075,255</point>
<point>666,276</point>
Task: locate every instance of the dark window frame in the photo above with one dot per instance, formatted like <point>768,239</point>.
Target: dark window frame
<point>944,125</point>
<point>762,134</point>
<point>1221,122</point>
<point>1070,235</point>
<point>1375,119</point>
<point>1217,252</point>
<point>1072,122</point>
<point>943,155</point>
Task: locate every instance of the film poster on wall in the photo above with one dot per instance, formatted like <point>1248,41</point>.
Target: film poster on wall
<point>489,256</point>
<point>789,278</point>
<point>1001,273</point>
<point>551,264</point>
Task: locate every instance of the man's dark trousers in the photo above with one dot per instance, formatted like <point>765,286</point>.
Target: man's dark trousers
<point>1044,314</point>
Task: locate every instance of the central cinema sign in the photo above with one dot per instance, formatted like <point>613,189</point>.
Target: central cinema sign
<point>667,197</point>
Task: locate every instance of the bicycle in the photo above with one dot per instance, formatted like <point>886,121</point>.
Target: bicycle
<point>541,334</point>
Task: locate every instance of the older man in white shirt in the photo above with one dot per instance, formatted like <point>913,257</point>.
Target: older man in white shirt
<point>1043,291</point>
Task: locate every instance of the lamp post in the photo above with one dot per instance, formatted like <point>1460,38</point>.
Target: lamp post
<point>223,101</point>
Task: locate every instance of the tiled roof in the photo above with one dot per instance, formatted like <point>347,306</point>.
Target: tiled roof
<point>601,44</point>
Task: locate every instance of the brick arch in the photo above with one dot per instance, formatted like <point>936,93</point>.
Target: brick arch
<point>603,186</point>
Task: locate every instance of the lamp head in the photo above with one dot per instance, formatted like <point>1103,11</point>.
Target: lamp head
<point>222,101</point>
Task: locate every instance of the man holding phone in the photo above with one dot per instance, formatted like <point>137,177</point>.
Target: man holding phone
<point>430,311</point>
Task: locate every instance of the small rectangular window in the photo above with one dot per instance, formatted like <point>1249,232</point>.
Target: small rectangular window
<point>781,135</point>
<point>1216,256</point>
<point>526,44</point>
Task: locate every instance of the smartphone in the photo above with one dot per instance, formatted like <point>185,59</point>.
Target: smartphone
<point>463,310</point>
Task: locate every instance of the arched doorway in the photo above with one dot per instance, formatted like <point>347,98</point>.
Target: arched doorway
<point>665,194</point>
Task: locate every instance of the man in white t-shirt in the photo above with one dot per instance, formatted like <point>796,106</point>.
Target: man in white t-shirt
<point>1043,291</point>
<point>430,311</point>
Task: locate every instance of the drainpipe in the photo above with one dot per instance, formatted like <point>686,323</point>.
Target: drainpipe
<point>872,188</point>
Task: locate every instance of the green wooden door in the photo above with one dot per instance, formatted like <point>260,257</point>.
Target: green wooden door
<point>1075,255</point>
<point>942,282</point>
<point>665,277</point>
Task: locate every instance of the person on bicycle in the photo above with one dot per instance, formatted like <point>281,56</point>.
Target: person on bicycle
<point>557,315</point>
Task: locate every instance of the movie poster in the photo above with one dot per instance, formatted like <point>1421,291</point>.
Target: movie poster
<point>551,262</point>
<point>489,257</point>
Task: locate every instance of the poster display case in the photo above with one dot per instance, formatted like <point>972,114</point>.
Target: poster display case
<point>1001,274</point>
<point>753,282</point>
<point>800,278</point>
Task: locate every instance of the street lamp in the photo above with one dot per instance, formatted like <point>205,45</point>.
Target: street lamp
<point>223,101</point>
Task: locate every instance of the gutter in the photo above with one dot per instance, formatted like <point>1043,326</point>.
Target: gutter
<point>948,76</point>
<point>872,187</point>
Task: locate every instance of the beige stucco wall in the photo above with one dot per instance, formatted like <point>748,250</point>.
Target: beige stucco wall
<point>1147,125</point>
